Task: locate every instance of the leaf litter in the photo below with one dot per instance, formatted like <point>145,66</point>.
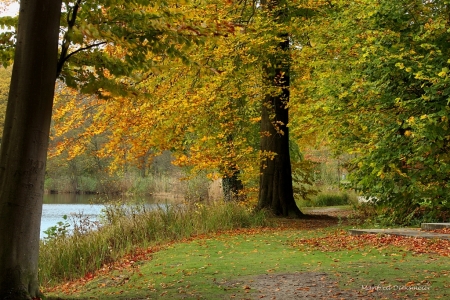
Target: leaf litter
<point>342,240</point>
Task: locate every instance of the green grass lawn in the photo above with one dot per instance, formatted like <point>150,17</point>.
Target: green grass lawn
<point>205,267</point>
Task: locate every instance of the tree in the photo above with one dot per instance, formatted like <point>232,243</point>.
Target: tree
<point>212,102</point>
<point>192,109</point>
<point>379,91</point>
<point>24,147</point>
<point>275,187</point>
<point>135,29</point>
<point>406,82</point>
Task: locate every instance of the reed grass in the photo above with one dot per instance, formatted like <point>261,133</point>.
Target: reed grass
<point>126,229</point>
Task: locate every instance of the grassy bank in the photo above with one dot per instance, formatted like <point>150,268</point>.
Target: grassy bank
<point>124,231</point>
<point>326,262</point>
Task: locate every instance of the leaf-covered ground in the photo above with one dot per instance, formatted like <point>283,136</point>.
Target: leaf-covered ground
<point>342,240</point>
<point>300,259</point>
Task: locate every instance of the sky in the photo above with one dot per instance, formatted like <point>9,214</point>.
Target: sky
<point>11,10</point>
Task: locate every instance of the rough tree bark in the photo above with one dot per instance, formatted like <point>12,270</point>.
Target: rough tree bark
<point>275,185</point>
<point>24,147</point>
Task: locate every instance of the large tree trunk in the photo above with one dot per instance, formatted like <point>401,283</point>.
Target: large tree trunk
<point>24,147</point>
<point>275,185</point>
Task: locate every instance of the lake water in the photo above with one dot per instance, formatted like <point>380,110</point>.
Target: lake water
<point>57,205</point>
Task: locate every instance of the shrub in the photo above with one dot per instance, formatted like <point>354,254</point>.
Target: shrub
<point>329,199</point>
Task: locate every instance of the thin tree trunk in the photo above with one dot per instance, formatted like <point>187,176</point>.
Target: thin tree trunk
<point>24,147</point>
<point>232,185</point>
<point>275,185</point>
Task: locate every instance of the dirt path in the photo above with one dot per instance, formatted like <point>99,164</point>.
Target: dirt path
<point>307,285</point>
<point>302,285</point>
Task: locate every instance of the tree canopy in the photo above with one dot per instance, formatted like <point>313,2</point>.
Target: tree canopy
<point>382,96</point>
<point>367,78</point>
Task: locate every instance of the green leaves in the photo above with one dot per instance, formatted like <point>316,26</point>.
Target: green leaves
<point>380,89</point>
<point>7,39</point>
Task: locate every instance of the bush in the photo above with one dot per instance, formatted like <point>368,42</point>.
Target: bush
<point>61,229</point>
<point>330,198</point>
<point>88,184</point>
<point>197,188</point>
<point>58,184</point>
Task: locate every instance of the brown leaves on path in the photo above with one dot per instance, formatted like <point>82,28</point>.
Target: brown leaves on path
<point>342,240</point>
<point>442,230</point>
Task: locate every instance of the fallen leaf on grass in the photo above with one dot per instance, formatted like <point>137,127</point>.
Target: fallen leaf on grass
<point>126,263</point>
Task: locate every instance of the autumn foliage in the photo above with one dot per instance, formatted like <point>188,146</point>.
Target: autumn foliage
<point>368,79</point>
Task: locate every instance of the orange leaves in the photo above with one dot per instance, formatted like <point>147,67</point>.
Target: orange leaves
<point>201,101</point>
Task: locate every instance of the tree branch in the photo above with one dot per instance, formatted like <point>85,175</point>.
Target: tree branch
<point>82,49</point>
<point>71,18</point>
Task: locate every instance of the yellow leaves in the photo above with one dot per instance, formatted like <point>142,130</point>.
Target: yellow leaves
<point>213,176</point>
<point>426,46</point>
<point>343,95</point>
<point>426,97</point>
<point>419,75</point>
<point>401,66</point>
<point>204,111</point>
<point>256,119</point>
<point>182,158</point>
<point>76,150</point>
<point>443,73</point>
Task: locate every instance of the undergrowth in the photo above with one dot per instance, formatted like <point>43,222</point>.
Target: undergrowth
<point>125,229</point>
<point>330,198</point>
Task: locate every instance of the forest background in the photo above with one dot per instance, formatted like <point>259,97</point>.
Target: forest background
<point>368,100</point>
